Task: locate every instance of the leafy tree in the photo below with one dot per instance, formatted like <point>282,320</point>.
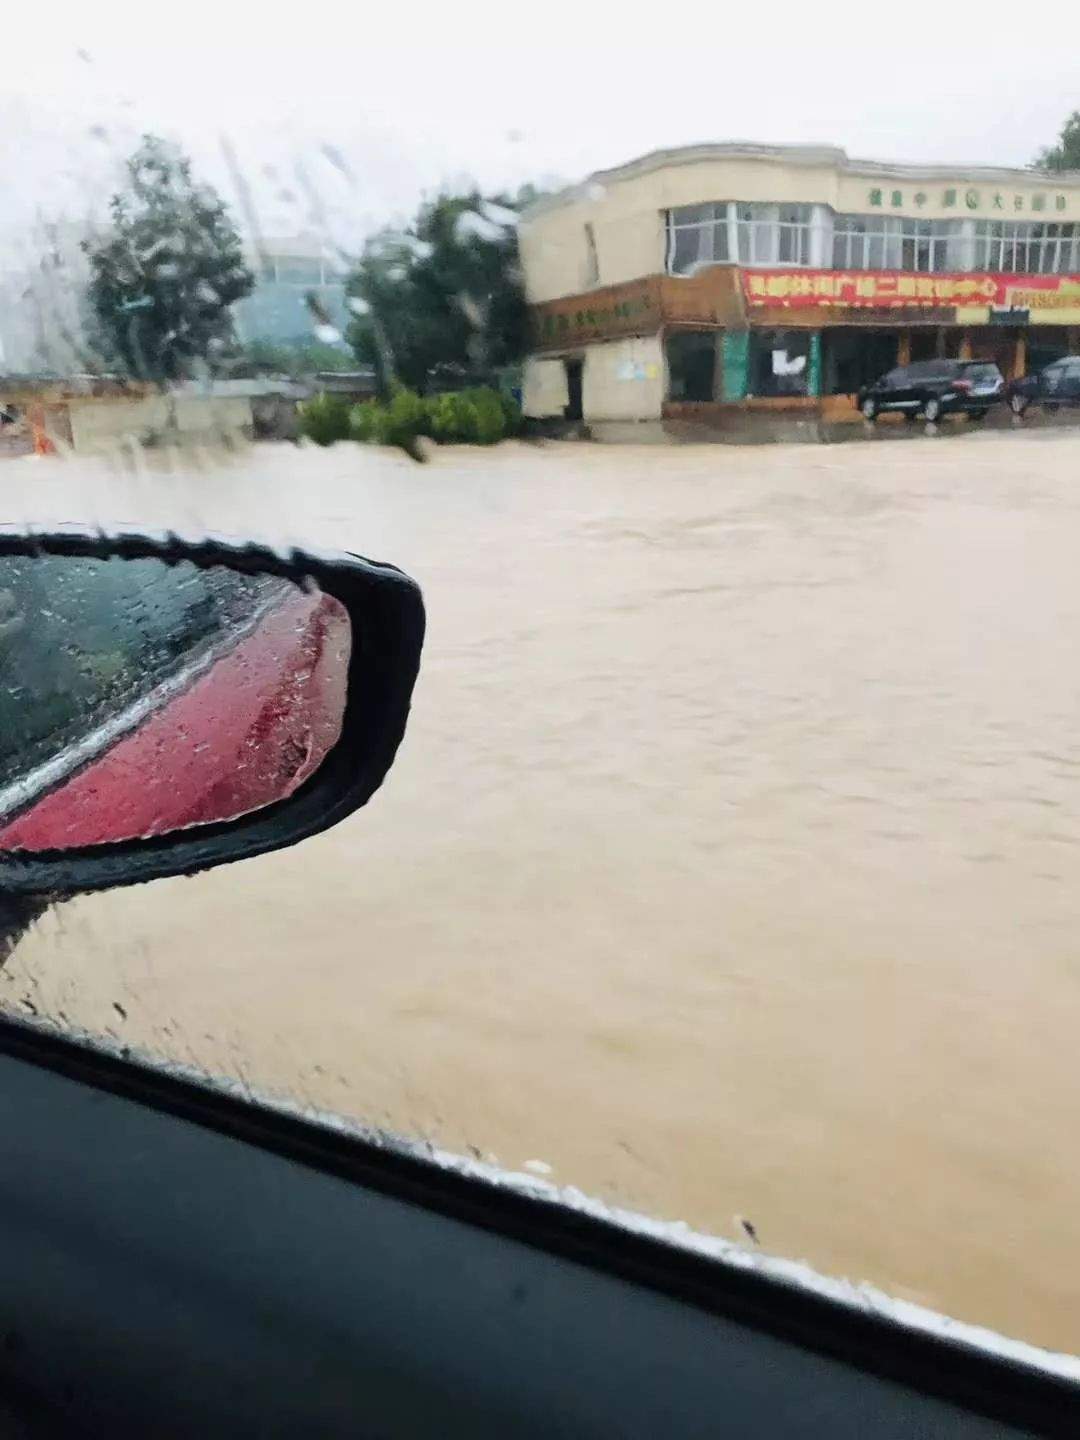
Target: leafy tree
<point>1065,155</point>
<point>167,270</point>
<point>442,302</point>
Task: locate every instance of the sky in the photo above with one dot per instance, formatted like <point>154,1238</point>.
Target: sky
<point>339,118</point>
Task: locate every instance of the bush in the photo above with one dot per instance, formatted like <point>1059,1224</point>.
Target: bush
<point>479,416</point>
<point>366,422</point>
<point>325,418</point>
<point>397,423</point>
<point>406,417</point>
<point>454,417</point>
<point>490,420</point>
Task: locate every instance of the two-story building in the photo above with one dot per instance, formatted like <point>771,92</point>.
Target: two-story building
<point>712,279</point>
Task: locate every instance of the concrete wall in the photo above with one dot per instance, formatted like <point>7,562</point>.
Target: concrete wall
<point>197,414</point>
<point>624,380</point>
<point>625,206</point>
<point>544,391</point>
<point>102,424</point>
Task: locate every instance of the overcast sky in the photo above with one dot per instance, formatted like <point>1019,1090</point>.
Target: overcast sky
<point>424,93</point>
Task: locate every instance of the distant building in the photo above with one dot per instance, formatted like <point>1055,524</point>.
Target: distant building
<point>695,282</point>
<point>289,274</point>
<point>44,311</point>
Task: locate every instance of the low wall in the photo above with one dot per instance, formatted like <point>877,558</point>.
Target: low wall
<point>98,425</point>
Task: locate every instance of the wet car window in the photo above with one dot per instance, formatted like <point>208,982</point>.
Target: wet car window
<point>138,622</point>
<point>729,872</point>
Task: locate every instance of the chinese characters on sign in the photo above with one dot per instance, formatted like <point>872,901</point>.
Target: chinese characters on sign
<point>894,290</point>
<point>970,199</point>
<point>620,310</point>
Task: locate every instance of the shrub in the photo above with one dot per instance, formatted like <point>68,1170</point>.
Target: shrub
<point>454,417</point>
<point>479,416</point>
<point>325,418</point>
<point>406,417</point>
<point>490,421</point>
<point>366,421</point>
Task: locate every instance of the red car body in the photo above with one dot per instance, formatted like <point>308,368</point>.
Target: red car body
<point>245,732</point>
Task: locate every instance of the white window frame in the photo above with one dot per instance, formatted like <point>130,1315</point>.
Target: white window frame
<point>1047,247</point>
<point>719,221</point>
<point>755,235</point>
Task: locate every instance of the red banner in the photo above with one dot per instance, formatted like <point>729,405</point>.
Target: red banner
<point>887,289</point>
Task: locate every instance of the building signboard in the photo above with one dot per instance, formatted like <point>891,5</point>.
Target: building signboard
<point>1045,296</point>
<point>629,309</point>
<point>970,198</point>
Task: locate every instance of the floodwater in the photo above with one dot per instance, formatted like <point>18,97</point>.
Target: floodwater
<point>731,865</point>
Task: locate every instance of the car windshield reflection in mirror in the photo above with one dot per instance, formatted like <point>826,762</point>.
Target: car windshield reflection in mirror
<point>139,697</point>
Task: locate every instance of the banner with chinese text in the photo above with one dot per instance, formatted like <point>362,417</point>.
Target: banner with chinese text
<point>887,289</point>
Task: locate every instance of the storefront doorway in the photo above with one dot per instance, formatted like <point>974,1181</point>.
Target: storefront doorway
<point>926,344</point>
<point>853,358</point>
<point>779,362</point>
<point>574,370</point>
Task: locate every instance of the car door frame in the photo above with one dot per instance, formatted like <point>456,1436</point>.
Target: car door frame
<point>1071,393</point>
<point>968,1374</point>
<point>902,399</point>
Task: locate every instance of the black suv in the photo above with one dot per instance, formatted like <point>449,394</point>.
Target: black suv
<point>932,388</point>
<point>1054,385</point>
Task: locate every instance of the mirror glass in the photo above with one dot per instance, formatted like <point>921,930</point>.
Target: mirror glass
<point>139,697</point>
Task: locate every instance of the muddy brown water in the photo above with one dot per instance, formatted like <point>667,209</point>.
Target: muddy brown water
<point>731,865</point>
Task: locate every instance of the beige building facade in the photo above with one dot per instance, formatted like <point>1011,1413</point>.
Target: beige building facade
<point>695,282</point>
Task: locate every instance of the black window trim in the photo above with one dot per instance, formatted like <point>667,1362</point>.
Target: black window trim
<point>978,1379</point>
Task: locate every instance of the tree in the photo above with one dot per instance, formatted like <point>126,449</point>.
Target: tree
<point>164,275</point>
<point>443,300</point>
<point>1065,155</point>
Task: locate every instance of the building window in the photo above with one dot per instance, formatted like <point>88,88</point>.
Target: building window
<point>773,234</point>
<point>886,242</point>
<point>750,234</point>
<point>1027,248</point>
<point>697,235</point>
<point>925,244</point>
<point>863,242</point>
<point>592,259</point>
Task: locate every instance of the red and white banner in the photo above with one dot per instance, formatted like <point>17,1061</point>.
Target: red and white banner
<point>894,289</point>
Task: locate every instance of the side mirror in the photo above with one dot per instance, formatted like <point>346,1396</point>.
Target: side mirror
<point>167,706</point>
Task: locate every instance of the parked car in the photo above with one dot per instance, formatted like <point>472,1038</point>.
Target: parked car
<point>932,388</point>
<point>1053,385</point>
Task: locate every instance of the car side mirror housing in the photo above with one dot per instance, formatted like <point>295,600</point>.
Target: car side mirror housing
<point>168,705</point>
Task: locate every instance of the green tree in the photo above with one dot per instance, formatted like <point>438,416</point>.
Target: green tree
<point>1065,155</point>
<point>443,300</point>
<point>164,275</point>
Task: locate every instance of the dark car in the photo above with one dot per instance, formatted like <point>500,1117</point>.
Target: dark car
<point>1054,385</point>
<point>932,388</point>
